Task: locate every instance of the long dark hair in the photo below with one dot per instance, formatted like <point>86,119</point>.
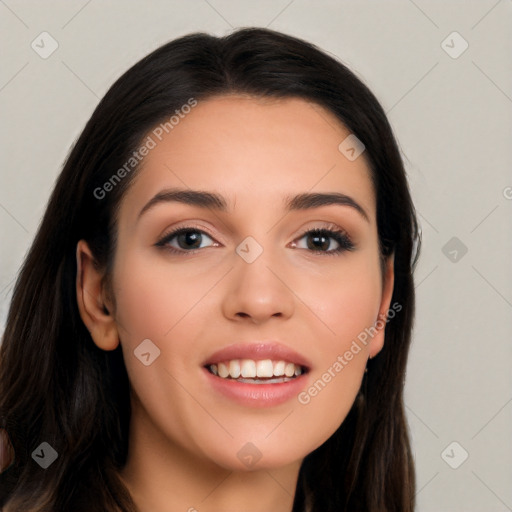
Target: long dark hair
<point>57,387</point>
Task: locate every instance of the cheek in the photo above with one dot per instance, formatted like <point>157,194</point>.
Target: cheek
<point>156,302</point>
<point>346,300</point>
<point>168,305</point>
<point>152,297</point>
<point>348,304</point>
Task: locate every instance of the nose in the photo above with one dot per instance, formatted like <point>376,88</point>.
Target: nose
<point>258,291</point>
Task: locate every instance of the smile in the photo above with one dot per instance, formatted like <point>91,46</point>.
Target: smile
<point>256,374</point>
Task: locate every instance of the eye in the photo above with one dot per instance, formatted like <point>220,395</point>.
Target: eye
<point>319,240</point>
<point>323,240</point>
<point>186,238</point>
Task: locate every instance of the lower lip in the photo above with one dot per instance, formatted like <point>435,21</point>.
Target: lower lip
<point>257,395</point>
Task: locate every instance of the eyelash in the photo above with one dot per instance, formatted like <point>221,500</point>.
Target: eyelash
<point>344,241</point>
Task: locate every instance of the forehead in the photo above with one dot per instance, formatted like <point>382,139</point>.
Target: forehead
<point>253,151</point>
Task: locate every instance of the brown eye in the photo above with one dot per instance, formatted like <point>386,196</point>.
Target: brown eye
<point>184,239</point>
<point>323,240</point>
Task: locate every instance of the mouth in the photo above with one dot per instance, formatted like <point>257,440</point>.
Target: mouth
<point>263,374</point>
<point>262,371</point>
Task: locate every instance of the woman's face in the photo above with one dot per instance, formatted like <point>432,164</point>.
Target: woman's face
<point>248,278</point>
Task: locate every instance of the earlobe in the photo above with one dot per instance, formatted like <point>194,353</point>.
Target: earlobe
<point>90,297</point>
<point>387,292</point>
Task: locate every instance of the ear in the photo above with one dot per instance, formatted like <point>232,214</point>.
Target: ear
<point>377,341</point>
<point>92,303</point>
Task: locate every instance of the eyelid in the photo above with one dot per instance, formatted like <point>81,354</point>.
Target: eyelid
<point>191,225</point>
<point>330,226</point>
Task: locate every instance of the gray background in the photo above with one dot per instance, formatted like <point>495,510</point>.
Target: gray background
<point>453,119</point>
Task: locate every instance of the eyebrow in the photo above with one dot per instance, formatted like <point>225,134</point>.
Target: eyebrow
<point>211,200</point>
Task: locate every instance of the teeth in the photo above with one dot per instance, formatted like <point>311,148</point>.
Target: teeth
<point>249,369</point>
<point>289,370</point>
<point>223,370</point>
<point>264,368</point>
<point>234,368</point>
<point>279,368</point>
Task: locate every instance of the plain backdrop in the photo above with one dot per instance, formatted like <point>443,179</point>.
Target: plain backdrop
<point>442,72</point>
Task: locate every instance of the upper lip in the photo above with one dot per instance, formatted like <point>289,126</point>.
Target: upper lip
<point>258,351</point>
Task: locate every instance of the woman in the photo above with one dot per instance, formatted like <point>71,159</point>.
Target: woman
<point>216,311</point>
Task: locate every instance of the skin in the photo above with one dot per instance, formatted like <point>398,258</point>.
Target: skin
<point>184,437</point>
